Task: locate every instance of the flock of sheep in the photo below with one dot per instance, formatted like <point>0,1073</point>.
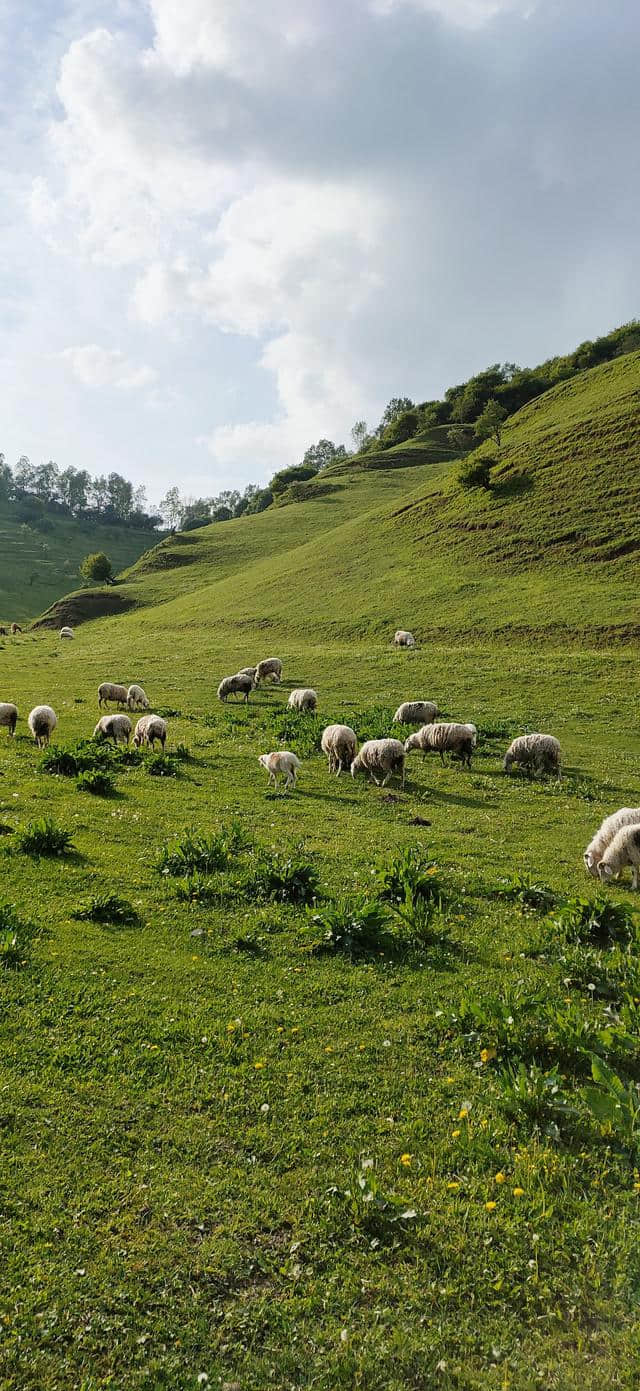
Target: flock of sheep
<point>615,845</point>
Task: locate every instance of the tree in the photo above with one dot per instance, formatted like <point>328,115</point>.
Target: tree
<point>402,427</point>
<point>171,508</point>
<point>320,455</point>
<point>397,406</point>
<point>475,474</point>
<point>457,436</point>
<point>120,495</point>
<point>6,480</point>
<point>73,487</point>
<point>359,435</point>
<point>97,568</point>
<point>490,422</point>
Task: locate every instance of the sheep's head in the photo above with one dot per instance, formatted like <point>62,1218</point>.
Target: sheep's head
<point>507,763</point>
<point>606,871</point>
<point>590,863</point>
<point>411,743</point>
<point>356,766</point>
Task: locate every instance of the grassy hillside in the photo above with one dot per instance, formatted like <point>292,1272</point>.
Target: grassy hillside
<point>39,566</point>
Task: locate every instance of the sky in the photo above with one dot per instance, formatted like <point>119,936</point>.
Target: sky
<point>230,228</point>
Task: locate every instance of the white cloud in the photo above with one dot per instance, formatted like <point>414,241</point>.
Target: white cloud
<point>95,366</point>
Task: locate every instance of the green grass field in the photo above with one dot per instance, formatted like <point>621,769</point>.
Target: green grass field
<point>236,1150</point>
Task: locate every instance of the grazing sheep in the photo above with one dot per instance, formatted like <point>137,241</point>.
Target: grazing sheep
<point>626,816</point>
<point>541,753</point>
<point>458,739</point>
<point>136,698</point>
<point>148,729</point>
<point>4,632</point>
<point>42,722</point>
<point>303,699</point>
<point>116,727</point>
<point>403,639</point>
<point>270,669</point>
<point>623,850</point>
<point>67,633</point>
<point>235,685</point>
<point>8,716</point>
<point>15,628</point>
<point>110,690</point>
<point>340,744</point>
<point>281,764</point>
<point>380,758</point>
<point>416,712</point>
<point>247,671</point>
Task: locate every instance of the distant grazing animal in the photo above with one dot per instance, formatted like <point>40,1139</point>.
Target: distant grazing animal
<point>15,628</point>
<point>247,671</point>
<point>270,669</point>
<point>281,764</point>
<point>625,816</point>
<point>540,753</point>
<point>403,639</point>
<point>380,758</point>
<point>136,698</point>
<point>67,633</point>
<point>340,744</point>
<point>416,712</point>
<point>624,850</point>
<point>110,690</point>
<point>303,699</point>
<point>116,727</point>
<point>4,632</point>
<point>8,716</point>
<point>148,729</point>
<point>458,739</point>
<point>235,685</point>
<point>42,722</point>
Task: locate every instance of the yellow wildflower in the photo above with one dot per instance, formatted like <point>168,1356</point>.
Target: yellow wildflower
<point>453,1186</point>
<point>487,1054</point>
<point>464,1112</point>
<point>258,1064</point>
<point>455,1133</point>
<point>518,1192</point>
<point>406,1160</point>
<point>501,1178</point>
<point>490,1205</point>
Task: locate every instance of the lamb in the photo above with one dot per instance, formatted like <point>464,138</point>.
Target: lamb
<point>15,628</point>
<point>403,639</point>
<point>136,698</point>
<point>116,727</point>
<point>67,633</point>
<point>416,712</point>
<point>340,744</point>
<point>110,690</point>
<point>303,699</point>
<point>623,850</point>
<point>458,739</point>
<point>42,722</point>
<point>541,753</point>
<point>235,685</point>
<point>148,729</point>
<point>380,758</point>
<point>281,763</point>
<point>270,669</point>
<point>8,716</point>
<point>626,816</point>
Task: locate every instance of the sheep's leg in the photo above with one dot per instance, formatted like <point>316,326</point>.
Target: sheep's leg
<point>386,778</point>
<point>442,758</point>
<point>402,781</point>
<point>375,780</point>
<point>634,876</point>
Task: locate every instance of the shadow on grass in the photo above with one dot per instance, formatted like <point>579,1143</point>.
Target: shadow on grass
<point>515,486</point>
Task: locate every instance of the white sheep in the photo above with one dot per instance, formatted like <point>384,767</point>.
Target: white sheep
<point>136,698</point>
<point>270,669</point>
<point>235,685</point>
<point>42,722</point>
<point>380,758</point>
<point>148,729</point>
<point>67,633</point>
<point>110,690</point>
<point>541,753</point>
<point>403,639</point>
<point>303,699</point>
<point>446,737</point>
<point>116,727</point>
<point>340,744</point>
<point>283,764</point>
<point>8,716</point>
<point>247,671</point>
<point>623,850</point>
<point>625,816</point>
<point>416,712</point>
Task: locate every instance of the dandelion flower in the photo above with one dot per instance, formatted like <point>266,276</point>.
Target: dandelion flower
<point>406,1160</point>
<point>453,1186</point>
<point>490,1205</point>
<point>464,1112</point>
<point>487,1054</point>
<point>258,1064</point>
<point>636,1187</point>
<point>455,1133</point>
<point>501,1178</point>
<point>518,1192</point>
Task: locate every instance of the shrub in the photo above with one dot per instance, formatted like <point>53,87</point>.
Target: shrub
<point>300,731</point>
<point>204,854</point>
<point>474,474</point>
<point>356,927</point>
<point>83,756</point>
<point>100,784</point>
<point>596,920</point>
<point>282,878</point>
<point>16,937</point>
<point>407,877</point>
<point>522,889</point>
<point>162,765</point>
<point>43,837</point>
<point>615,1104</point>
<point>107,908</point>
<point>194,888</point>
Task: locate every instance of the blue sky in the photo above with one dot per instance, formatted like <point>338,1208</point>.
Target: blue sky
<point>229,228</point>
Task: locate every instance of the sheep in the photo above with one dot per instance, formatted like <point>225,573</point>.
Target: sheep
<point>8,716</point>
<point>15,628</point>
<point>270,669</point>
<point>235,685</point>
<point>626,816</point>
<point>458,739</point>
<point>303,699</point>
<point>136,698</point>
<point>148,729</point>
<point>378,757</point>
<point>110,690</point>
<point>623,850</point>
<point>67,633</point>
<point>416,712</point>
<point>42,722</point>
<point>340,744</point>
<point>539,752</point>
<point>282,763</point>
<point>247,671</point>
<point>4,632</point>
<point>403,639</point>
<point>116,727</point>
